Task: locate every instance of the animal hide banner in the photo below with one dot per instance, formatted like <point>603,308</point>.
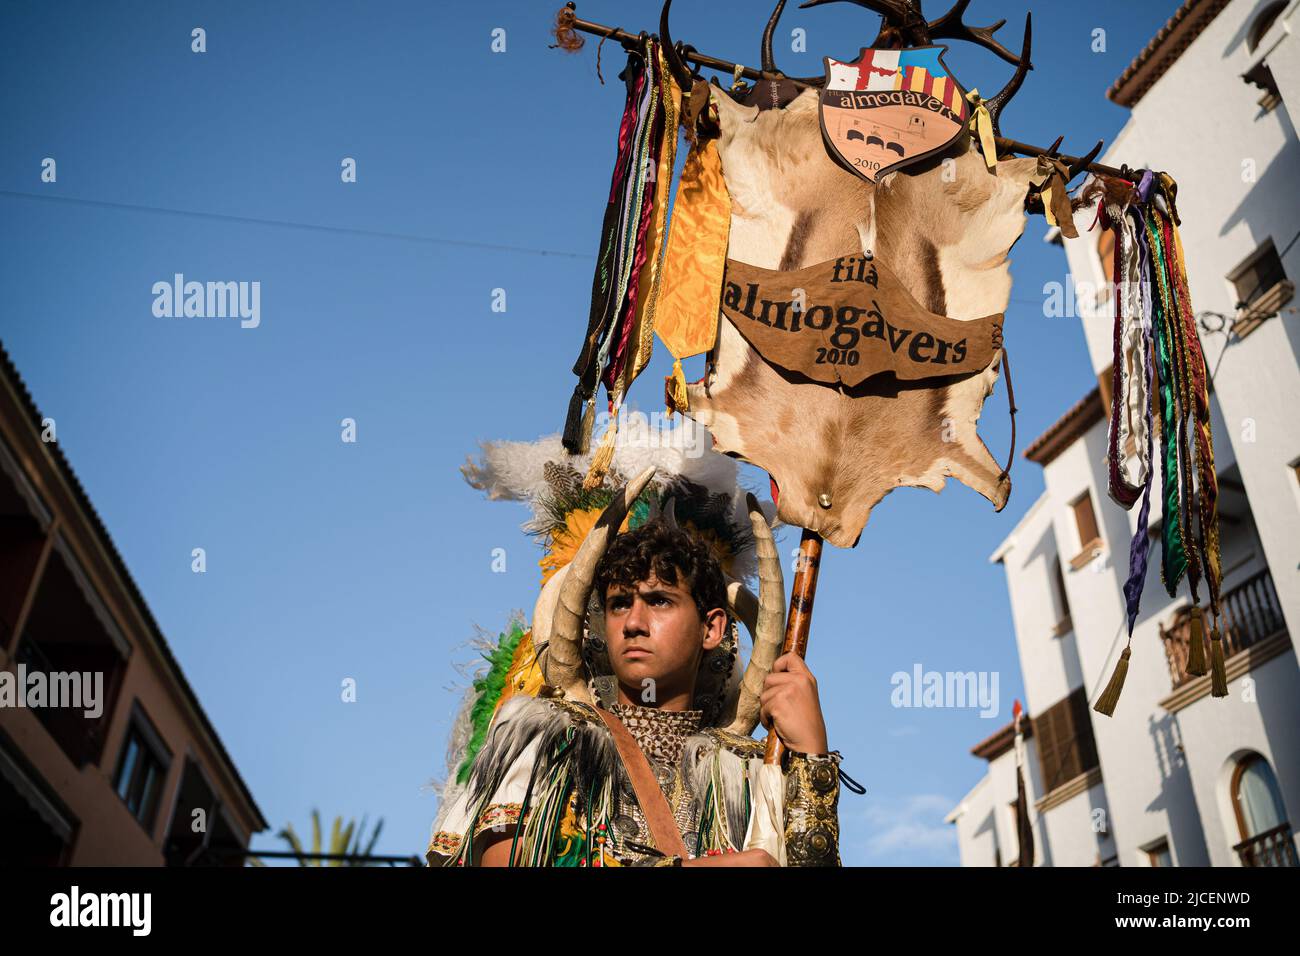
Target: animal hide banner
<point>849,318</point>
<point>945,231</point>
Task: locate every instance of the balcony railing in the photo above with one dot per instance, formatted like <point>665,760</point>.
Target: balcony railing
<point>1251,614</point>
<point>1273,847</point>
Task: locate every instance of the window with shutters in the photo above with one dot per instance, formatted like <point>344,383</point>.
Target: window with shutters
<point>1085,520</point>
<point>1064,739</point>
<point>1262,288</point>
<point>142,769</point>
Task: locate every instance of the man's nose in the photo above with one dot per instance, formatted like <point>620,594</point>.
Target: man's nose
<point>637,620</point>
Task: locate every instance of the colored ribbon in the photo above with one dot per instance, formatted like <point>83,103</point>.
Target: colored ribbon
<point>981,126</point>
<point>1159,360</point>
<point>1139,554</point>
<point>1173,555</point>
<point>577,425</point>
<point>687,319</point>
<point>1055,176</point>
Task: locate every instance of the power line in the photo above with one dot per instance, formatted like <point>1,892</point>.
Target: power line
<point>286,224</point>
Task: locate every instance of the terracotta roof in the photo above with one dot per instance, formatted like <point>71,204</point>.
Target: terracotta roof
<point>9,372</point>
<point>1000,741</point>
<point>1164,49</point>
<point>1086,412</point>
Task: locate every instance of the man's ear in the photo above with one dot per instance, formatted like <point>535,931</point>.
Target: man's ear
<point>715,628</point>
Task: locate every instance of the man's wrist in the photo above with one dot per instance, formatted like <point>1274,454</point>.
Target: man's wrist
<point>815,755</point>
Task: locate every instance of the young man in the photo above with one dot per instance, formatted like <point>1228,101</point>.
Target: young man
<point>550,787</point>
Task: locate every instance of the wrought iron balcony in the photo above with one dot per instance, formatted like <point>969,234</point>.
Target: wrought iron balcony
<point>1274,847</point>
<point>1251,614</point>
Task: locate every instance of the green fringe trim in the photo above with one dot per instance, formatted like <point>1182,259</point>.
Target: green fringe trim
<point>489,687</point>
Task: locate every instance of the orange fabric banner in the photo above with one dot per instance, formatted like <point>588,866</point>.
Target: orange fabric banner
<point>687,320</point>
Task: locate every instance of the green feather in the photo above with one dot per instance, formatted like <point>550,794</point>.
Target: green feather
<point>489,687</point>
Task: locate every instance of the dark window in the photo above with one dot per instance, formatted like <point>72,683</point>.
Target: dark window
<point>1266,838</point>
<point>141,770</point>
<point>1258,274</point>
<point>1159,855</point>
<point>1063,620</point>
<point>1065,745</point>
<point>64,635</point>
<point>1086,519</point>
<point>1261,286</point>
<point>1262,22</point>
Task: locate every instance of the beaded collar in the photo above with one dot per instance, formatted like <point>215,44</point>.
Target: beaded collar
<point>659,733</point>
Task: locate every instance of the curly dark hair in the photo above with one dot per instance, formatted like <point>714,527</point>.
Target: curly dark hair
<point>656,547</point>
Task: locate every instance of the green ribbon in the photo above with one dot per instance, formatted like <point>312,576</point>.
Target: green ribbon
<point>1173,553</point>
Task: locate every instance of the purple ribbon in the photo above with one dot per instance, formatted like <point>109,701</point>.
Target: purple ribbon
<point>1144,186</point>
<point>1139,552</point>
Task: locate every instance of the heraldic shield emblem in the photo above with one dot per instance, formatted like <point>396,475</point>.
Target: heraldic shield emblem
<point>890,108</point>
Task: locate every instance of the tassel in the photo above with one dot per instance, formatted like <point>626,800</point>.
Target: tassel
<point>1110,696</point>
<point>588,419</point>
<point>981,124</point>
<point>603,458</point>
<point>1219,675</point>
<point>675,390</point>
<point>1196,666</point>
<point>573,422</point>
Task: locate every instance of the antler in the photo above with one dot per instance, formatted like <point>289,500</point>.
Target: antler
<point>950,27</point>
<point>900,18</point>
<point>1083,162</point>
<point>902,23</point>
<point>769,62</point>
<point>1002,97</point>
<point>681,72</point>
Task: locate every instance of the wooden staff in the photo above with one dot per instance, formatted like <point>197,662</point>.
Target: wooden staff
<point>799,620</point>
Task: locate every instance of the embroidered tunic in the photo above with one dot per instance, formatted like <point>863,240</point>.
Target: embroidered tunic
<point>550,776</point>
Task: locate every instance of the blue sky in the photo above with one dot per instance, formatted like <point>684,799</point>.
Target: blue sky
<point>371,560</point>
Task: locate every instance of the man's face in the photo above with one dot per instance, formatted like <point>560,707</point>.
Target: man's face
<point>655,633</point>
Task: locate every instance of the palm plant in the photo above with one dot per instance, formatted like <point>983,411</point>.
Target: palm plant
<point>345,841</point>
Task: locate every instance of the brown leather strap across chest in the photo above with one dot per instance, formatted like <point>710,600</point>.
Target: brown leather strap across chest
<point>658,816</point>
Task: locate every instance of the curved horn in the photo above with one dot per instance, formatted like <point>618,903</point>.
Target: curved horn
<point>669,513</point>
<point>769,62</point>
<point>1003,96</point>
<point>1083,162</point>
<point>769,629</point>
<point>901,22</point>
<point>742,604</point>
<point>564,657</point>
<point>681,72</point>
<point>544,608</point>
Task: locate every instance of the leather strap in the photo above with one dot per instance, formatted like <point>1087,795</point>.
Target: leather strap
<point>1011,405</point>
<point>658,816</point>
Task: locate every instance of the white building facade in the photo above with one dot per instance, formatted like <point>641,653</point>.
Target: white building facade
<point>1176,777</point>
